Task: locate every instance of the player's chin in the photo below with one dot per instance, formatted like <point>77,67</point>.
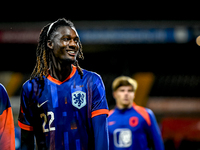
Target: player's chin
<point>126,102</point>
<point>69,60</point>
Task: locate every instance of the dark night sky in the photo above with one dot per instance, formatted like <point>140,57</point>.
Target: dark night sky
<point>161,59</point>
<point>97,10</point>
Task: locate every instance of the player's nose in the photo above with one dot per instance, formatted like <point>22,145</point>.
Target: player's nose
<point>72,44</point>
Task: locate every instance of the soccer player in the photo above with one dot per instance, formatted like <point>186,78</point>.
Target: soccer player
<point>7,131</point>
<point>131,127</point>
<point>63,106</point>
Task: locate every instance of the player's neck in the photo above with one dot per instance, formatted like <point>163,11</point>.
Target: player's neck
<point>62,73</point>
<point>60,70</point>
<point>121,106</point>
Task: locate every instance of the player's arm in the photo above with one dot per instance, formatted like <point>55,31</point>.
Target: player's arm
<point>27,140</point>
<point>7,132</point>
<point>24,120</point>
<point>99,115</point>
<point>154,132</point>
<point>100,132</point>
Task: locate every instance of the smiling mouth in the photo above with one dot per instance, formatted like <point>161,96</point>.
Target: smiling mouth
<point>72,53</point>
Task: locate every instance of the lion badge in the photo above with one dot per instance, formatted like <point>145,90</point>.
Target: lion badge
<point>79,99</point>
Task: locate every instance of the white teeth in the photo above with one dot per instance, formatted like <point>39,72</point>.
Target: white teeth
<point>71,52</point>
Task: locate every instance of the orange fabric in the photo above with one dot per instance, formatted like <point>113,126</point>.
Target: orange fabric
<point>143,113</point>
<point>7,130</point>
<point>25,127</point>
<point>111,112</point>
<point>111,123</point>
<point>21,110</point>
<point>59,82</point>
<point>100,112</point>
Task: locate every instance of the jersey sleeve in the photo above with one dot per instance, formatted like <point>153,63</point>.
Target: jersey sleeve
<point>154,132</point>
<point>7,133</point>
<point>100,127</point>
<point>25,117</point>
<point>99,102</point>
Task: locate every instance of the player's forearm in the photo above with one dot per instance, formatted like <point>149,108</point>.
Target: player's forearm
<point>27,140</point>
<point>157,140</point>
<point>100,132</point>
<point>155,133</point>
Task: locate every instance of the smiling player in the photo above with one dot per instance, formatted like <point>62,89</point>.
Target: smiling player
<point>62,105</point>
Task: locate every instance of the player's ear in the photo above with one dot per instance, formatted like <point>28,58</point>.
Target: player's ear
<point>50,44</point>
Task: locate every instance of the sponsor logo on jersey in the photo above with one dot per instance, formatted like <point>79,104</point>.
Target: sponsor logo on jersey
<point>40,105</point>
<point>122,137</point>
<point>79,99</point>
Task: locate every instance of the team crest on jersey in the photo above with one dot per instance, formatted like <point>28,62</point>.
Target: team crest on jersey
<point>79,99</point>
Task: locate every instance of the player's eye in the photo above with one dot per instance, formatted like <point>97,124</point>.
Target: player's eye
<point>66,39</point>
<point>76,40</point>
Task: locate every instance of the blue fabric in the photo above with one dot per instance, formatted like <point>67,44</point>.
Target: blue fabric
<point>54,95</point>
<point>4,100</point>
<point>60,114</point>
<point>99,125</point>
<point>66,140</point>
<point>129,130</point>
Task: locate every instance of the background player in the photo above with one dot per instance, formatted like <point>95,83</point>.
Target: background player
<point>131,126</point>
<point>62,105</point>
<point>7,131</point>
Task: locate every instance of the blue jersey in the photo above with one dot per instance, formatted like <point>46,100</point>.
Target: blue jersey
<point>65,115</point>
<point>7,132</point>
<point>134,129</point>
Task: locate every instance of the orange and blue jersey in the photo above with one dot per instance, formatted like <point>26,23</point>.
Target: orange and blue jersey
<point>134,129</point>
<point>7,131</point>
<point>66,115</point>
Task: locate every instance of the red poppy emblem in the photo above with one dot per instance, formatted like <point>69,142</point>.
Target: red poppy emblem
<point>133,121</point>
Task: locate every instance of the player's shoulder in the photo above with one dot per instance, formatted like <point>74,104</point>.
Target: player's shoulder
<point>146,113</point>
<point>4,99</point>
<point>91,74</point>
<point>143,109</point>
<point>2,88</point>
<point>149,111</point>
<point>3,92</point>
<point>28,85</point>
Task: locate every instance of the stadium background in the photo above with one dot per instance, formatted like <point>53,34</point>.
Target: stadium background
<point>153,43</point>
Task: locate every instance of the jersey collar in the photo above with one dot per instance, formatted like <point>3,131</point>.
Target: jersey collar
<point>59,82</point>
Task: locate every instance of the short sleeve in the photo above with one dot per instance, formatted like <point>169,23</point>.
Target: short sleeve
<point>7,133</point>
<point>24,119</point>
<point>5,103</point>
<point>99,102</point>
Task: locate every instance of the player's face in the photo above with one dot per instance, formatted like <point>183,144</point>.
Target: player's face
<point>65,44</point>
<point>124,96</point>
